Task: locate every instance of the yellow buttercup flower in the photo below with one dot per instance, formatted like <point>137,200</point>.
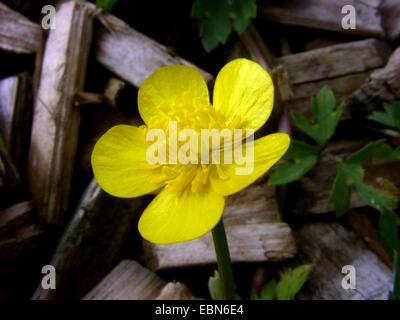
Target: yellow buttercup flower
<point>191,196</point>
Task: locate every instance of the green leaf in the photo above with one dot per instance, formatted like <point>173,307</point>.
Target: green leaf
<point>389,223</point>
<point>395,294</point>
<point>268,291</point>
<point>340,193</point>
<point>219,18</point>
<point>106,5</point>
<point>377,199</point>
<point>291,283</point>
<point>396,153</point>
<point>325,116</point>
<point>366,152</point>
<point>377,150</point>
<point>396,114</point>
<point>390,117</point>
<point>350,173</point>
<point>300,158</point>
<point>215,289</point>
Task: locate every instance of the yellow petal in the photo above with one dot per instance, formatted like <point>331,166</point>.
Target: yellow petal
<point>173,217</point>
<point>244,92</point>
<point>119,163</point>
<point>172,86</point>
<point>267,151</point>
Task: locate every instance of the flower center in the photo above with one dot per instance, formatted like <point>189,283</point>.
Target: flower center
<point>196,114</point>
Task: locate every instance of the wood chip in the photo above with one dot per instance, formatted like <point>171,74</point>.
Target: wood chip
<point>342,67</point>
<point>17,33</point>
<point>315,187</point>
<point>137,56</point>
<point>15,117</point>
<point>130,281</point>
<point>56,119</point>
<point>92,242</point>
<point>383,85</point>
<point>325,15</point>
<point>390,17</point>
<point>329,247</point>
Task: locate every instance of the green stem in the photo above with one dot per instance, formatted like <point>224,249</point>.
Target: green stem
<point>224,261</point>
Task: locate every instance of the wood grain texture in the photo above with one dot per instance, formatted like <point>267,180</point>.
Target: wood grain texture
<point>20,237</point>
<point>336,60</point>
<point>15,117</point>
<point>315,187</point>
<point>56,119</point>
<point>254,233</point>
<point>131,281</point>
<point>9,178</point>
<point>14,216</point>
<point>390,17</point>
<point>342,67</point>
<point>329,247</point>
<point>130,54</point>
<point>325,15</point>
<point>17,33</point>
<point>383,85</point>
<point>91,244</point>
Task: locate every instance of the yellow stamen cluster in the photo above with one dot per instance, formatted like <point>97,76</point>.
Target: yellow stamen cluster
<point>197,114</point>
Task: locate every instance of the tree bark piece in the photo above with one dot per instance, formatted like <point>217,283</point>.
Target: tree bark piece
<point>324,15</point>
<point>175,291</point>
<point>14,217</point>
<point>56,119</point>
<point>343,68</point>
<point>113,90</point>
<point>329,247</point>
<point>315,187</point>
<point>137,56</point>
<point>92,242</point>
<point>15,117</point>
<point>390,16</point>
<point>19,244</point>
<point>364,227</point>
<point>9,178</point>
<point>254,233</point>
<point>337,60</point>
<point>383,85</point>
<point>131,281</point>
<point>17,33</point>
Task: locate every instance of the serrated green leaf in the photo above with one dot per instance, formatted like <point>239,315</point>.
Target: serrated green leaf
<point>300,158</point>
<point>214,32</point>
<point>215,289</point>
<point>323,104</point>
<point>396,153</point>
<point>268,291</point>
<point>219,18</point>
<point>340,193</point>
<point>395,294</point>
<point>375,198</point>
<point>384,154</point>
<point>325,116</point>
<point>302,122</point>
<point>390,117</point>
<point>291,283</point>
<point>366,152</point>
<point>351,173</point>
<point>299,149</point>
<point>389,222</point>
<point>106,5</point>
